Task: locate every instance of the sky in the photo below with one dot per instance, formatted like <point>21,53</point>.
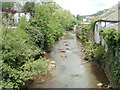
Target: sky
<point>86,7</point>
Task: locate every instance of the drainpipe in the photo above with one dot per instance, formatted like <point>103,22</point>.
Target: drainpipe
<point>105,24</point>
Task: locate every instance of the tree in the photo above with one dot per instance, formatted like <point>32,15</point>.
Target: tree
<point>7,5</point>
<point>52,20</point>
<point>29,7</point>
<point>79,18</point>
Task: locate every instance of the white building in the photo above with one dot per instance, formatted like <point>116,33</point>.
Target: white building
<point>17,17</point>
<point>110,21</point>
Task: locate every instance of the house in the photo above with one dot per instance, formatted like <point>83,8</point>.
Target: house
<point>86,23</point>
<point>110,21</point>
<point>14,14</point>
<point>88,18</point>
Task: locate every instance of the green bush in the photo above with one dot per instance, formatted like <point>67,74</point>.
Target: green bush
<point>36,36</point>
<point>18,64</point>
<point>17,47</point>
<point>38,66</point>
<point>111,37</point>
<point>51,22</point>
<point>109,59</point>
<point>83,33</point>
<point>20,46</point>
<point>23,23</point>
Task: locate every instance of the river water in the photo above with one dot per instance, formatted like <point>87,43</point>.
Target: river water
<point>70,71</point>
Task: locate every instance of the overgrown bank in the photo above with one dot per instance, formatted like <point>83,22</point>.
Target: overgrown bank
<point>23,48</point>
<point>107,58</point>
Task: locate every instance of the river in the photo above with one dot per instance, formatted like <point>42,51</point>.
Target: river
<point>70,71</point>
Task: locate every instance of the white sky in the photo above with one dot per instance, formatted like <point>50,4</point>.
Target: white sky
<point>86,7</point>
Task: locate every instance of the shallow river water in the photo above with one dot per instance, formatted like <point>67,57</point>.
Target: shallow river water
<point>70,71</point>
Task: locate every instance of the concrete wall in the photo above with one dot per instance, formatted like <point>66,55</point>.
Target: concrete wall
<point>96,32</point>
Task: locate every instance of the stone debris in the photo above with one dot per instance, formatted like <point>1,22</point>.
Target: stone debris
<point>52,65</point>
<point>100,85</point>
<point>66,44</point>
<point>75,75</point>
<point>85,62</point>
<point>31,79</point>
<point>67,49</point>
<point>62,37</point>
<point>65,33</point>
<point>13,27</point>
<point>52,62</point>
<point>37,79</point>
<point>83,50</point>
<point>44,52</point>
<point>61,50</point>
<point>104,86</point>
<point>109,87</point>
<point>63,57</point>
<point>40,81</point>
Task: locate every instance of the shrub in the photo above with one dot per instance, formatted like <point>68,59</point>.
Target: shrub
<point>51,22</point>
<point>17,47</point>
<point>83,33</point>
<point>111,37</point>
<point>18,64</point>
<point>36,36</point>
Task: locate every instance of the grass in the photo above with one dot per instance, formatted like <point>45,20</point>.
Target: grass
<point>68,36</point>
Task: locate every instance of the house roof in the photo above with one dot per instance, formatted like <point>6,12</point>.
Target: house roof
<point>112,17</point>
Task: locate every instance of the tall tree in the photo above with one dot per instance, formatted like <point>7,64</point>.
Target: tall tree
<point>7,5</point>
<point>29,7</point>
<point>79,18</point>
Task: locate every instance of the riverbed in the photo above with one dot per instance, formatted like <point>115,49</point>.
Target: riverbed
<point>71,71</point>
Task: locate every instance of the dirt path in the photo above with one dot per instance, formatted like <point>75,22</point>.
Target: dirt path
<point>70,71</point>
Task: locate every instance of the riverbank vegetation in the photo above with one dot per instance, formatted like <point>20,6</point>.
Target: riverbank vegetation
<point>23,47</point>
<point>106,57</point>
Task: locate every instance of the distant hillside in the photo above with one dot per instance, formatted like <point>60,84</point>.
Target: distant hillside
<point>100,12</point>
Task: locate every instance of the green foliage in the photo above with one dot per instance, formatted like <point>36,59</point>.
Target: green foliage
<point>83,33</point>
<point>21,46</point>
<point>111,37</point>
<point>18,64</point>
<point>29,7</point>
<point>7,5</point>
<point>89,50</point>
<point>79,18</point>
<point>51,22</point>
<point>99,52</point>
<point>39,65</point>
<point>37,36</point>
<point>68,36</point>
<point>109,59</point>
<point>23,23</point>
<point>20,50</point>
